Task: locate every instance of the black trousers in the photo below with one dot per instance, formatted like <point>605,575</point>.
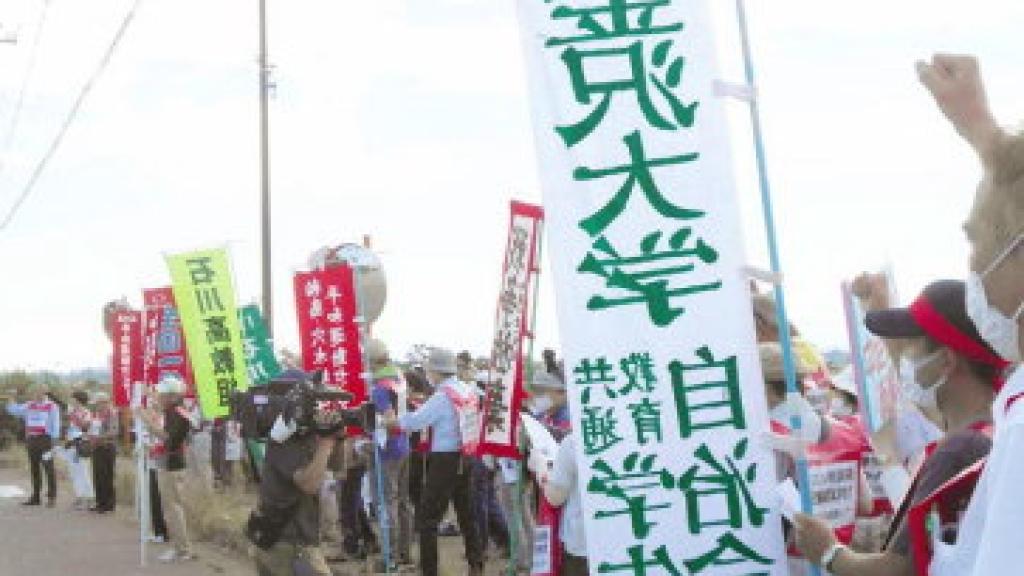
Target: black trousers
<point>449,479</point>
<point>417,476</point>
<point>103,476</point>
<point>355,525</point>
<point>156,507</point>
<point>37,446</point>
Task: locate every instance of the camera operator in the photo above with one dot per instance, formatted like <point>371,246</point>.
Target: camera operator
<point>286,525</point>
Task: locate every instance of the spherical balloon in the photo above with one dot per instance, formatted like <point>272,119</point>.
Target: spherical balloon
<point>372,283</point>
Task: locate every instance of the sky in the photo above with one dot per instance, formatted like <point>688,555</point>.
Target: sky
<point>409,120</point>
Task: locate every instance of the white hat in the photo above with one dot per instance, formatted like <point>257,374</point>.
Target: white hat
<point>442,361</point>
<point>844,381</point>
<point>376,350</point>
<point>772,362</point>
<point>101,397</point>
<point>170,384</point>
<point>544,380</point>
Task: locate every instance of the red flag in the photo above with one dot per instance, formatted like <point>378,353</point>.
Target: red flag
<point>127,361</point>
<point>165,348</point>
<point>325,301</point>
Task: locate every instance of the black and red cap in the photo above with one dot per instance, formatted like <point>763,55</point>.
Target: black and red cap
<point>940,313</point>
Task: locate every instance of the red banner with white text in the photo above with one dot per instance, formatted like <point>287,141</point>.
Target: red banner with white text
<point>127,358</point>
<point>325,301</point>
<point>165,349</point>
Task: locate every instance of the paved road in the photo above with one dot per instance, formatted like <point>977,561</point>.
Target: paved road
<point>40,541</point>
<point>37,541</point>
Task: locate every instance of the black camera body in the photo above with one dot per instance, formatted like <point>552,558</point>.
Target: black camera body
<point>306,402</point>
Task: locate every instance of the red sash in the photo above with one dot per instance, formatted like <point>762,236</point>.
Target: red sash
<point>947,501</point>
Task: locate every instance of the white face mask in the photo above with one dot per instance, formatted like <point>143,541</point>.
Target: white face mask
<point>923,397</point>
<point>1001,333</point>
<point>810,421</point>
<point>281,432</point>
<point>541,404</point>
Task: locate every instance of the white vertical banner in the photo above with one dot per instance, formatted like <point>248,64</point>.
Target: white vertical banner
<point>505,386</point>
<point>664,381</point>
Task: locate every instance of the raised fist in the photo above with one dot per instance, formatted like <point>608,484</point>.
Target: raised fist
<point>955,83</point>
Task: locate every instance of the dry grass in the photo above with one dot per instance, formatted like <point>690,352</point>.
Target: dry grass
<point>216,517</point>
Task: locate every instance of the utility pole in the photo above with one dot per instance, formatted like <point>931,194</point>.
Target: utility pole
<point>268,295</point>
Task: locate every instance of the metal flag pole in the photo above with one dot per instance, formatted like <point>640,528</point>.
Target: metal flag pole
<point>382,506</point>
<point>141,473</point>
<point>785,339</point>
<point>517,497</point>
<point>265,214</point>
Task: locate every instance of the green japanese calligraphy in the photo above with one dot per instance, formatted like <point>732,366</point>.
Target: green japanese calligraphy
<point>617,14</point>
<point>599,430</point>
<point>728,542</point>
<point>637,476</point>
<point>647,420</point>
<point>638,564</point>
<point>584,90</point>
<point>720,377</point>
<point>638,173</point>
<point>719,482</point>
<point>644,278</point>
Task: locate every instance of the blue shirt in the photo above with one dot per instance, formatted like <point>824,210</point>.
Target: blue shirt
<point>437,413</point>
<point>397,446</point>
<point>52,416</point>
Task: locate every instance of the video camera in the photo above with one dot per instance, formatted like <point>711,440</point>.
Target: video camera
<point>302,399</point>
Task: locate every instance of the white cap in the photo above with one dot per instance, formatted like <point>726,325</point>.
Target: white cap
<point>376,350</point>
<point>442,361</point>
<point>171,384</point>
<point>844,381</point>
<point>544,380</point>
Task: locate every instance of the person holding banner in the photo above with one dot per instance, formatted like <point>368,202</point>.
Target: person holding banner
<point>394,454</point>
<point>172,427</point>
<point>561,488</point>
<point>945,365</point>
<point>448,465</point>
<point>990,539</point>
<point>550,403</point>
<point>42,431</point>
<point>103,433</point>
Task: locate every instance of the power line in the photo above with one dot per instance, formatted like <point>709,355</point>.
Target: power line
<point>20,102</point>
<point>72,114</point>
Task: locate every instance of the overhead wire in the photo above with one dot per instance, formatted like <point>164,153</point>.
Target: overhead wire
<point>19,103</point>
<point>70,118</point>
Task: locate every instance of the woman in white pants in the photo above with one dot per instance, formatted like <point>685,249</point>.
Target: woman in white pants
<point>78,466</point>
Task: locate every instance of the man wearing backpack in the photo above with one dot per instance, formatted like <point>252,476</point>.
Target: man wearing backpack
<point>450,413</point>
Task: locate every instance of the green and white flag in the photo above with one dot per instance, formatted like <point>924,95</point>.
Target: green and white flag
<point>259,354</point>
<point>663,375</point>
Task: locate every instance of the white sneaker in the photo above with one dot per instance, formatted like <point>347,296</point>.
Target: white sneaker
<point>155,539</point>
<point>168,557</point>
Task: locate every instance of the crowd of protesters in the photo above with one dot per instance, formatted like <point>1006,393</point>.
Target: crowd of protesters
<point>940,495</point>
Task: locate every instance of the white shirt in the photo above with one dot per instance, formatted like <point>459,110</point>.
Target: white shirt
<point>563,475</point>
<point>990,537</point>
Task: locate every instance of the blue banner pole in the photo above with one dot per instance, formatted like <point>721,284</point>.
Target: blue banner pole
<point>785,338</point>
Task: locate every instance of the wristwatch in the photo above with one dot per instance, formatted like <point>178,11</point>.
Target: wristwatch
<point>830,556</point>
